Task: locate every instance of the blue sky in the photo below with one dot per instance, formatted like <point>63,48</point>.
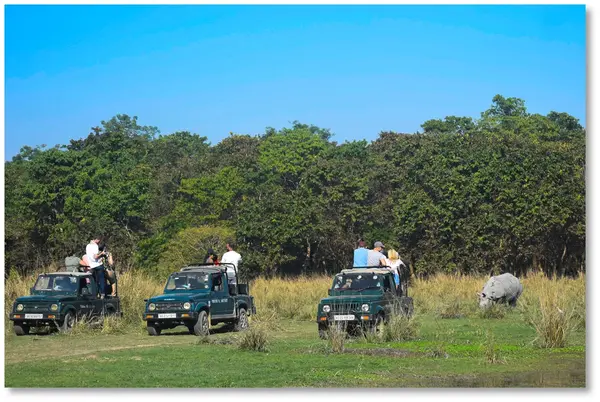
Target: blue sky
<point>357,70</point>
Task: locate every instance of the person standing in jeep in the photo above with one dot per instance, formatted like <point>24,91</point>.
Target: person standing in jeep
<point>94,258</point>
<point>375,257</point>
<point>231,257</point>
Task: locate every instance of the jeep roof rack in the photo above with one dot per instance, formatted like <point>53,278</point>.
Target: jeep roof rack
<point>375,269</point>
<point>68,273</point>
<point>222,267</point>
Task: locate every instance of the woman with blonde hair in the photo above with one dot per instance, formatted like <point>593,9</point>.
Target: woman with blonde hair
<point>393,261</point>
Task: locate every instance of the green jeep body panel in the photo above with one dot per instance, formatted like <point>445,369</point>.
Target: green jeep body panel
<point>60,298</point>
<point>202,298</point>
<point>362,298</point>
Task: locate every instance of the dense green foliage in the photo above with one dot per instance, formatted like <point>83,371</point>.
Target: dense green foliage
<point>502,192</point>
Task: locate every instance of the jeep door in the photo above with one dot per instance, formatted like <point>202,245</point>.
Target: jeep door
<point>389,294</point>
<point>221,301</point>
<point>86,303</point>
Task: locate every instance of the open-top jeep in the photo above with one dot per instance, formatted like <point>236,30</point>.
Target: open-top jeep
<point>197,297</point>
<point>60,298</point>
<point>362,298</point>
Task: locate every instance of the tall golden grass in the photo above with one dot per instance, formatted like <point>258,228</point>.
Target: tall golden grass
<point>555,307</point>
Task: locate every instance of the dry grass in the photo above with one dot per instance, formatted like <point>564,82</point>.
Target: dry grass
<point>336,338</point>
<point>290,298</point>
<point>399,328</point>
<point>555,310</point>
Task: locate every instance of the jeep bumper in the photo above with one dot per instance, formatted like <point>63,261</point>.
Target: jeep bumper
<point>349,318</point>
<point>174,316</point>
<point>37,319</point>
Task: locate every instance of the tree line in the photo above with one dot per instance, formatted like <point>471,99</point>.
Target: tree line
<point>503,192</point>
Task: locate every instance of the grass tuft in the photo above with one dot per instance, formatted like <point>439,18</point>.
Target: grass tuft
<point>491,350</point>
<point>255,338</point>
<point>336,337</point>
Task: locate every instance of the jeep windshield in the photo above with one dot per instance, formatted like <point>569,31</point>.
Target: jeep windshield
<point>357,282</point>
<point>56,284</point>
<point>188,281</point>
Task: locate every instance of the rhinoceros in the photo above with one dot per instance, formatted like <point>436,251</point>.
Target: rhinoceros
<point>504,288</point>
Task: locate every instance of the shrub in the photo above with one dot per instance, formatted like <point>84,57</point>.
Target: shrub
<point>255,338</point>
<point>399,328</point>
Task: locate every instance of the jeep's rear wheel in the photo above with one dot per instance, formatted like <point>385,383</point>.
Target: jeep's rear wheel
<point>153,329</point>
<point>21,329</point>
<point>407,306</point>
<point>242,321</point>
<point>68,322</point>
<point>201,326</point>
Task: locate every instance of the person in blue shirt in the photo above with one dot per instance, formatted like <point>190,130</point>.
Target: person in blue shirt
<point>360,254</point>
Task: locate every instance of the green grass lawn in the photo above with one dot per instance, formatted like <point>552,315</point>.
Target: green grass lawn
<point>298,358</point>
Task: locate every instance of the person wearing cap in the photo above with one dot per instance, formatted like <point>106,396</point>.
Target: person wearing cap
<point>375,257</point>
<point>360,255</point>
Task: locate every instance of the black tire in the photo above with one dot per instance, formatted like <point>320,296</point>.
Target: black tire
<point>153,330</point>
<point>110,310</point>
<point>377,326</point>
<point>21,329</point>
<point>202,325</point>
<point>241,323</point>
<point>68,322</point>
<point>407,306</point>
<point>323,331</point>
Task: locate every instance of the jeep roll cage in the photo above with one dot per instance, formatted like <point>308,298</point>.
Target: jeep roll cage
<point>221,268</point>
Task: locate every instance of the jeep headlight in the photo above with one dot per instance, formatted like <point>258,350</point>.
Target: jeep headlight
<point>54,307</point>
<point>187,305</point>
<point>151,307</point>
<point>19,307</point>
<point>365,307</point>
<point>326,308</point>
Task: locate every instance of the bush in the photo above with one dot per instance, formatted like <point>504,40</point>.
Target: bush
<point>255,338</point>
<point>400,328</point>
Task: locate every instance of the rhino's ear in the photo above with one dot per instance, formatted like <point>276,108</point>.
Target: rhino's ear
<point>478,294</point>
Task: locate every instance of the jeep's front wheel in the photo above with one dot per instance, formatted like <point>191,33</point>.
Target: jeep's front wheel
<point>68,322</point>
<point>377,326</point>
<point>242,321</point>
<point>153,330</point>
<point>201,326</point>
<point>21,329</point>
<point>323,328</point>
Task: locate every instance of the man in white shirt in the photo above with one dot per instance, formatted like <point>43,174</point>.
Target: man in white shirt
<point>231,257</point>
<point>94,257</point>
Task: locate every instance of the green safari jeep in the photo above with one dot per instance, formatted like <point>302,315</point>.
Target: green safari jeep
<point>58,299</point>
<point>197,297</point>
<point>362,298</point>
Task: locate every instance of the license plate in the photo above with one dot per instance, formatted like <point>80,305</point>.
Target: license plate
<point>34,316</point>
<point>348,317</point>
<point>167,315</point>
